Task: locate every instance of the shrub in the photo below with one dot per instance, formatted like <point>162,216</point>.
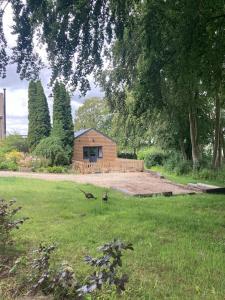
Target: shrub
<point>154,159</point>
<point>183,167</point>
<point>14,156</point>
<point>210,174</point>
<point>33,162</point>
<point>14,142</point>
<point>52,149</point>
<point>61,282</point>
<point>2,155</point>
<point>54,169</point>
<point>152,156</point>
<point>206,174</point>
<point>175,163</point>
<point>8,222</point>
<point>8,165</point>
<point>127,155</point>
<point>142,153</point>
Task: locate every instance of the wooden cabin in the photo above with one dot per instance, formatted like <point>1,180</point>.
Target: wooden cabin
<point>94,152</point>
<point>93,146</point>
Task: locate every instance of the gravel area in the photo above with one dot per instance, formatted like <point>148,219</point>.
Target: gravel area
<point>136,183</point>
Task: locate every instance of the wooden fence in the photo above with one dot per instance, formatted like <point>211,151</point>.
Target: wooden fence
<point>102,166</point>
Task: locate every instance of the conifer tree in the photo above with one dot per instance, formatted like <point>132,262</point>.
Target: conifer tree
<point>62,117</point>
<point>38,114</point>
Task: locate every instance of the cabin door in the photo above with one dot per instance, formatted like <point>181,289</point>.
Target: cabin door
<point>93,154</point>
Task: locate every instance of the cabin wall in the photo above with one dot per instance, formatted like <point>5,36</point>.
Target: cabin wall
<point>94,139</point>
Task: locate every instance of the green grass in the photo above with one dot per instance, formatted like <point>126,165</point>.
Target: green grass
<point>179,241</point>
<point>185,179</point>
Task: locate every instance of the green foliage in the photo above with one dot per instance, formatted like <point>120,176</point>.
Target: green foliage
<point>154,159</point>
<point>8,165</point>
<point>14,142</point>
<point>176,163</point>
<point>38,114</point>
<point>152,156</point>
<point>209,174</point>
<point>53,169</point>
<point>52,149</point>
<point>127,155</point>
<point>168,54</point>
<point>61,281</point>
<point>130,131</point>
<point>143,152</point>
<point>8,223</point>
<point>62,118</point>
<point>172,161</point>
<point>94,113</point>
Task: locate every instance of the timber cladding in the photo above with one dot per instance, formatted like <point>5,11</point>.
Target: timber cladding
<point>93,138</point>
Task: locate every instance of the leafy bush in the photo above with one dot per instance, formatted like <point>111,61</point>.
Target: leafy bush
<point>52,149</point>
<point>152,156</point>
<point>154,159</point>
<point>14,156</point>
<point>61,282</point>
<point>173,159</point>
<point>14,142</point>
<point>142,153</point>
<point>127,155</point>
<point>33,162</point>
<point>175,163</point>
<point>2,155</point>
<point>206,174</point>
<point>183,167</point>
<point>8,222</point>
<point>54,169</point>
<point>8,165</point>
<point>210,174</point>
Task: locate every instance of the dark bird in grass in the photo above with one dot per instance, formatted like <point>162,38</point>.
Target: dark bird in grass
<point>88,195</point>
<point>105,197</point>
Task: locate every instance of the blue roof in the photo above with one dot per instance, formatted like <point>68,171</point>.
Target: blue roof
<point>80,132</point>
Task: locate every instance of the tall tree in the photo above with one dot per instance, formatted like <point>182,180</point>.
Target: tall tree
<point>38,114</point>
<point>94,113</point>
<point>62,116</point>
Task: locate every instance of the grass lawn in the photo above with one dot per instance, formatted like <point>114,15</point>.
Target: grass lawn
<point>185,179</point>
<point>179,241</point>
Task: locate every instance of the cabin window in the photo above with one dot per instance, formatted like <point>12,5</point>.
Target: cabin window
<point>92,153</point>
<point>85,153</point>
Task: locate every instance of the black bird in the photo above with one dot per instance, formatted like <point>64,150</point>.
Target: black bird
<point>105,197</point>
<point>88,195</point>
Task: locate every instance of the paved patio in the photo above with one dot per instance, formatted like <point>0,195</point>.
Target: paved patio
<point>135,183</point>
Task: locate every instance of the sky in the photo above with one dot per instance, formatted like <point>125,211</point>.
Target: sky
<point>17,90</point>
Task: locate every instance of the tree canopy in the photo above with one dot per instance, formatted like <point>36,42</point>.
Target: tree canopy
<point>94,113</point>
<point>38,114</point>
<point>168,54</point>
<point>62,117</point>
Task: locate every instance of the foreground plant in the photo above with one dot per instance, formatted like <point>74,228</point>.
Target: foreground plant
<point>8,222</point>
<point>62,283</point>
<point>107,268</point>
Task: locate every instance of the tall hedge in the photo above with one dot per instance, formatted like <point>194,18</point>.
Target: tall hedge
<point>38,114</point>
<point>62,117</point>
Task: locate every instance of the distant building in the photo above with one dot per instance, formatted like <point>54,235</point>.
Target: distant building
<point>94,152</point>
<point>2,116</point>
<point>92,145</point>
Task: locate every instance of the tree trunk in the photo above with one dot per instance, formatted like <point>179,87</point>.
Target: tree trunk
<point>182,148</point>
<point>223,145</point>
<point>194,139</point>
<point>219,153</point>
<point>216,147</point>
